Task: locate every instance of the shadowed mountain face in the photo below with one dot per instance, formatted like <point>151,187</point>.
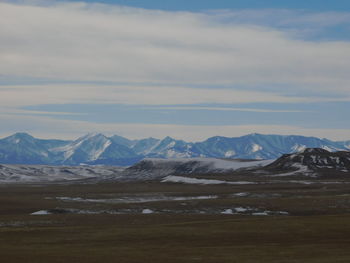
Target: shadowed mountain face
<point>159,168</point>
<point>315,161</point>
<point>25,149</point>
<point>22,148</point>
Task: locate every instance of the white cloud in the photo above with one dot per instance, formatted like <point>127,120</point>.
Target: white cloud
<point>45,127</point>
<point>161,56</point>
<point>19,96</point>
<point>77,41</point>
<point>221,109</point>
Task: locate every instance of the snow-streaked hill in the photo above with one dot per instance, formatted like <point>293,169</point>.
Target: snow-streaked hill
<point>44,173</point>
<point>159,168</point>
<point>312,161</point>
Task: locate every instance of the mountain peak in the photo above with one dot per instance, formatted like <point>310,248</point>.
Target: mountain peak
<point>22,135</point>
<point>314,151</point>
<point>91,136</point>
<point>168,138</point>
<point>122,140</point>
<point>18,137</point>
<point>311,160</point>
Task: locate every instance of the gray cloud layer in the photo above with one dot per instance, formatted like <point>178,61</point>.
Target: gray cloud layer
<point>233,56</point>
<point>103,43</point>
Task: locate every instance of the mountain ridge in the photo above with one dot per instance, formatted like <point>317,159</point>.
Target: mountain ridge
<point>95,149</point>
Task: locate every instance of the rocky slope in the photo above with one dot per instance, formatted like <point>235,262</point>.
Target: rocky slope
<point>312,161</point>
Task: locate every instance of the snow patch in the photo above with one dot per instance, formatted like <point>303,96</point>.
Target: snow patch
<point>242,194</point>
<point>41,212</point>
<point>229,154</point>
<point>300,169</point>
<point>227,212</point>
<point>260,214</point>
<point>188,180</point>
<point>298,148</point>
<point>68,150</point>
<point>256,148</point>
<point>327,148</point>
<point>147,211</point>
<point>172,144</point>
<point>97,153</point>
<point>136,199</point>
<point>241,209</point>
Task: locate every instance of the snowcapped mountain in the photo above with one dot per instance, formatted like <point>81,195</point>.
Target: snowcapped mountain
<point>25,149</point>
<point>258,146</point>
<point>22,148</point>
<point>94,149</point>
<point>171,148</point>
<point>144,146</point>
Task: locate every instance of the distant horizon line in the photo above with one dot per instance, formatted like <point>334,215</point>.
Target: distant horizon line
<point>92,134</point>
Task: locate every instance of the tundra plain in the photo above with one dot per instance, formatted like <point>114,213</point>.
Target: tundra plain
<point>173,222</point>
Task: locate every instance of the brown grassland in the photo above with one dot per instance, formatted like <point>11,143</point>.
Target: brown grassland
<point>317,228</point>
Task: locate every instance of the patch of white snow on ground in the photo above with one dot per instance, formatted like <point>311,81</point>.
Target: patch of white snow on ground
<point>188,180</point>
<point>137,199</point>
<point>260,214</point>
<point>300,169</point>
<point>241,209</point>
<point>41,212</point>
<point>147,211</point>
<point>241,194</point>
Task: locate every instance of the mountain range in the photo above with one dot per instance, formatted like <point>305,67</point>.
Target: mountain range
<point>98,149</point>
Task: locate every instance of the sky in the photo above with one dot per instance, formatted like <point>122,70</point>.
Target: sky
<point>185,69</point>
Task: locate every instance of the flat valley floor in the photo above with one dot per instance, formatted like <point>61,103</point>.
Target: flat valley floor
<point>164,222</point>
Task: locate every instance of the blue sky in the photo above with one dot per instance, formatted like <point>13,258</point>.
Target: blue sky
<point>188,69</point>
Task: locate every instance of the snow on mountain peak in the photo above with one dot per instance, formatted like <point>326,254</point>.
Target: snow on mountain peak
<point>95,148</point>
<point>98,151</point>
<point>95,143</point>
<point>256,148</point>
<point>229,154</point>
<point>298,148</point>
<point>172,144</point>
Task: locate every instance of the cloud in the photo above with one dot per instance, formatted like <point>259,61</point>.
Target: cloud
<point>283,18</point>
<point>200,108</point>
<point>154,58</point>
<point>45,127</point>
<point>94,42</point>
<point>20,96</point>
